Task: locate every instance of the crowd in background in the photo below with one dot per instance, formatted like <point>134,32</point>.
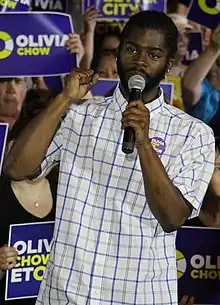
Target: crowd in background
<point>96,47</point>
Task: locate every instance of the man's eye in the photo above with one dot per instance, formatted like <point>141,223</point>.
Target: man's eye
<point>154,56</point>
<point>131,49</point>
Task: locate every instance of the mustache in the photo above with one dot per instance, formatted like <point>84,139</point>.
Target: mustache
<point>137,70</point>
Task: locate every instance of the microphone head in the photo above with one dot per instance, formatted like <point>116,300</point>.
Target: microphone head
<point>136,82</point>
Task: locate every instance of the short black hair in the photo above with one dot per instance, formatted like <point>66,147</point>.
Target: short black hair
<point>154,20</point>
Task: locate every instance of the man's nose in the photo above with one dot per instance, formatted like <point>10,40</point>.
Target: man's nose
<point>141,58</point>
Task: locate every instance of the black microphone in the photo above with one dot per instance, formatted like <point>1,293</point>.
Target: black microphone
<point>136,85</point>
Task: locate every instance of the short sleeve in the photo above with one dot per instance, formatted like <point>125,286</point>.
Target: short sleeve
<point>194,167</point>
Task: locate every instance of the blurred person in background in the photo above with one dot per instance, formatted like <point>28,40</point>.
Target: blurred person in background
<point>94,44</point>
<point>187,300</point>
<point>184,27</point>
<point>181,7</point>
<point>106,65</point>
<point>177,6</point>
<point>110,40</point>
<point>12,95</point>
<point>75,46</point>
<point>88,36</point>
<point>178,69</point>
<point>206,37</point>
<point>209,215</point>
<point>39,83</point>
<point>201,85</point>
<point>24,201</point>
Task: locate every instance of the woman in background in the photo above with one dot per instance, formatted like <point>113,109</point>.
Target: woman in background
<point>24,201</point>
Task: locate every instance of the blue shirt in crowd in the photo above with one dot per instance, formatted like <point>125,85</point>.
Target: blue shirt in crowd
<point>208,107</point>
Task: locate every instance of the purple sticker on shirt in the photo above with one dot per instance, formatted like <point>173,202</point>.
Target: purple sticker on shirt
<point>158,144</point>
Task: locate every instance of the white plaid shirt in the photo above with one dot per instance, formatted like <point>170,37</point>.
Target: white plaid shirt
<point>108,248</point>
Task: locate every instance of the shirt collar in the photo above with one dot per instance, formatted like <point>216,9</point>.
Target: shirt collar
<point>154,107</point>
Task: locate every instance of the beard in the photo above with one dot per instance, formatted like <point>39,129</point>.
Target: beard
<point>151,81</point>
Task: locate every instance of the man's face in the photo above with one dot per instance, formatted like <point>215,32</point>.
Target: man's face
<point>144,52</point>
<point>12,94</point>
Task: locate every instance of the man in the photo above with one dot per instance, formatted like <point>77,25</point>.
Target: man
<point>12,94</point>
<point>114,237</point>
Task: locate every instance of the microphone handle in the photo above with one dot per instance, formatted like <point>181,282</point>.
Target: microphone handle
<point>129,133</point>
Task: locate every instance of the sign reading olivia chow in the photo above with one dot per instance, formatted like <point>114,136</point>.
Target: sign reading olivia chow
<point>104,86</point>
<point>198,264</point>
<point>194,48</point>
<point>205,12</point>
<point>49,5</point>
<point>14,5</point>
<point>3,139</point>
<point>55,84</point>
<point>33,243</point>
<point>33,44</point>
<point>122,9</point>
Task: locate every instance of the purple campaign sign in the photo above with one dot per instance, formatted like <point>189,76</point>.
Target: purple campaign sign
<point>33,44</point>
<point>198,264</point>
<point>158,5</point>
<point>14,5</point>
<point>103,86</point>
<point>205,12</point>
<point>33,243</point>
<point>122,10</point>
<point>55,84</point>
<point>3,139</point>
<point>195,47</point>
<point>49,5</point>
<point>168,90</point>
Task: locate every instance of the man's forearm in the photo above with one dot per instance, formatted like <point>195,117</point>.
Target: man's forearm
<point>165,201</point>
<point>30,148</point>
